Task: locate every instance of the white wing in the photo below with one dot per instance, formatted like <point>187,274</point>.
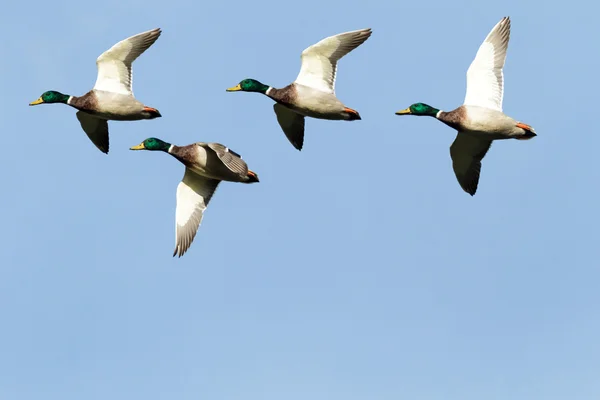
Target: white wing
<point>95,128</point>
<point>193,195</point>
<point>485,79</point>
<point>319,61</point>
<point>114,65</point>
<point>467,152</point>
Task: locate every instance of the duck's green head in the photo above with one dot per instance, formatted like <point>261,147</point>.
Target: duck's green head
<point>152,144</point>
<point>250,85</point>
<point>51,96</point>
<point>420,109</point>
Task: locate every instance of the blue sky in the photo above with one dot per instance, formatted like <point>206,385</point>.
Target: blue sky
<point>357,268</point>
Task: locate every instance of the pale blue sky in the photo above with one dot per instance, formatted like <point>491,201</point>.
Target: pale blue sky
<point>357,268</point>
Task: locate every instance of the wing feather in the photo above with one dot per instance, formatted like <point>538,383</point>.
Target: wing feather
<point>114,65</point>
<point>467,152</point>
<point>193,195</point>
<point>232,160</point>
<point>96,129</point>
<point>291,123</point>
<point>485,76</point>
<point>319,61</point>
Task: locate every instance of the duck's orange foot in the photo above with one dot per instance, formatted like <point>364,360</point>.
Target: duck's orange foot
<point>529,131</point>
<point>252,177</point>
<point>524,126</point>
<point>153,111</point>
<point>353,114</point>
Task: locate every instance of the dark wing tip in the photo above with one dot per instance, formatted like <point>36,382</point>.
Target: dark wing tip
<point>364,35</point>
<point>470,189</point>
<point>298,141</point>
<point>298,144</point>
<point>179,252</point>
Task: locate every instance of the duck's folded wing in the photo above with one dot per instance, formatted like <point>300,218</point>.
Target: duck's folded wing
<point>467,152</point>
<point>485,78</point>
<point>291,123</point>
<point>193,195</point>
<point>232,160</point>
<point>319,61</point>
<point>114,65</point>
<point>96,129</point>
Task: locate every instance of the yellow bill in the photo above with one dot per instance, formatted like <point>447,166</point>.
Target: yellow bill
<point>138,147</point>
<point>404,112</point>
<point>38,101</point>
<point>236,88</point>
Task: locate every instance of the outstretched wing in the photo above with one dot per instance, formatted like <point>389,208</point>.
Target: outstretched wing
<point>467,152</point>
<point>95,128</point>
<point>193,195</point>
<point>319,61</point>
<point>485,78</point>
<point>114,65</point>
<point>291,123</point>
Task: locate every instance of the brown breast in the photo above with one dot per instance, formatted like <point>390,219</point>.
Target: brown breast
<point>185,154</point>
<point>454,118</point>
<point>88,102</point>
<point>286,95</point>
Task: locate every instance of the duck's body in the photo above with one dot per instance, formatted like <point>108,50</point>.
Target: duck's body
<point>480,120</point>
<point>312,94</point>
<point>207,164</point>
<point>485,123</point>
<point>311,102</point>
<point>112,96</point>
<point>112,106</point>
<point>213,161</point>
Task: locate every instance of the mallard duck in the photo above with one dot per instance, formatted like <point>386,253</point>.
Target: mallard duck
<point>480,119</point>
<point>206,165</point>
<point>312,94</point>
<point>112,96</point>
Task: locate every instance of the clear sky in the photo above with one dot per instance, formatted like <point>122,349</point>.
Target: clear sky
<point>357,268</point>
